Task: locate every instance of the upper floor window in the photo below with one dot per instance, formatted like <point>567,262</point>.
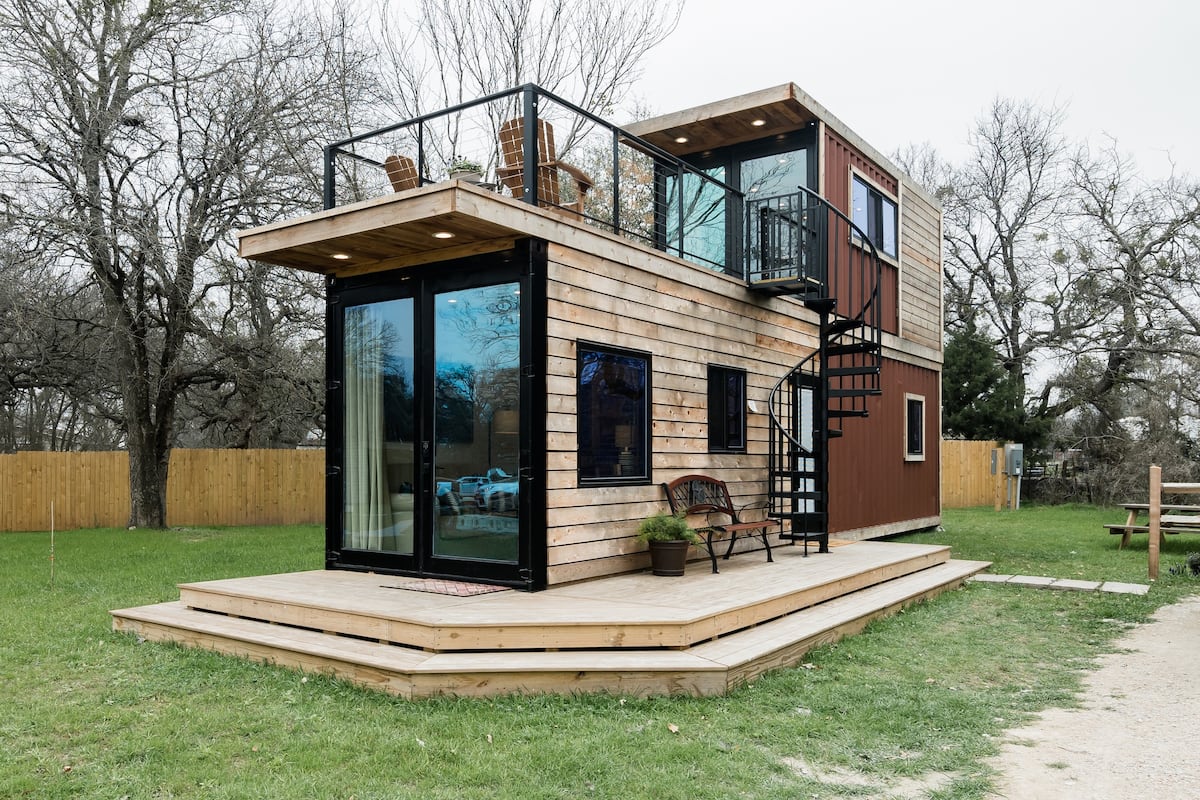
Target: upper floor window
<point>876,214</point>
<point>726,410</point>
<point>613,421</point>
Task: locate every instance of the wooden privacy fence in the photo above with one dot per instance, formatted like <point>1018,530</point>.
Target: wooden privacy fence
<point>204,487</point>
<point>967,478</point>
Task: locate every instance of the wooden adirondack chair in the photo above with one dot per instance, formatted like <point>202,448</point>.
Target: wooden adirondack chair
<point>511,171</point>
<point>402,172</point>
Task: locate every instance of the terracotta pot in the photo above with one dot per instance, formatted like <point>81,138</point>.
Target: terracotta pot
<point>669,557</point>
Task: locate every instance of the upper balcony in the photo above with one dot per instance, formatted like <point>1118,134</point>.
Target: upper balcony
<point>674,189</point>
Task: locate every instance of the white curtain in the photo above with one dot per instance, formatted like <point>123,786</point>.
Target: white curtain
<point>368,511</point>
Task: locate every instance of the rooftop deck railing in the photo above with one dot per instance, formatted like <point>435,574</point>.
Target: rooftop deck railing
<point>589,170</point>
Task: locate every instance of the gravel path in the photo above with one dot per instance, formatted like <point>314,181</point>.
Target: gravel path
<point>1137,732</point>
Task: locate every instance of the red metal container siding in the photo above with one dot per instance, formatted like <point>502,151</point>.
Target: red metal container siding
<point>870,482</point>
<point>839,158</point>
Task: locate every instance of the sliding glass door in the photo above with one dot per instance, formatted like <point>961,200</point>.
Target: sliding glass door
<point>431,394</point>
<point>476,371</point>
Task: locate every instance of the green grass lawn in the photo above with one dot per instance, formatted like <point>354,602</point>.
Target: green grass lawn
<point>87,713</point>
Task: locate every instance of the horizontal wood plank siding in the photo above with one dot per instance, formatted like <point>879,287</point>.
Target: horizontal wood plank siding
<point>870,483</point>
<point>685,325</point>
<point>204,487</point>
<point>921,273</point>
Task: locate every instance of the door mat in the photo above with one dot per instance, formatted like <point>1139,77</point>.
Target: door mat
<point>453,588</point>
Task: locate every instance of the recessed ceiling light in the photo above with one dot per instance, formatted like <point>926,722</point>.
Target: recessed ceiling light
<point>443,235</point>
<point>758,123</point>
<point>341,256</point>
<point>681,140</point>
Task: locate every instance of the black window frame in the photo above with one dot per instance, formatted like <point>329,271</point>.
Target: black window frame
<point>642,438</point>
<point>720,438</point>
<point>878,201</point>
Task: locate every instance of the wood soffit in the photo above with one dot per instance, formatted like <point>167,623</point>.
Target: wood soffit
<point>391,231</point>
<point>727,122</point>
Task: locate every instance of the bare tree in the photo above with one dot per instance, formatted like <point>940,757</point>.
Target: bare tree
<point>1004,272</point>
<point>136,137</point>
<point>55,390</point>
<point>445,52</point>
<point>1137,240</point>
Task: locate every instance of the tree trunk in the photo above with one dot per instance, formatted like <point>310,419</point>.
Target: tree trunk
<point>147,480</point>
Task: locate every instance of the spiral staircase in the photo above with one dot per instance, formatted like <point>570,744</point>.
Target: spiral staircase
<point>800,245</point>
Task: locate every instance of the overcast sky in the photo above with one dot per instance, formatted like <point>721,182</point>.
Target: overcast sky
<point>901,71</point>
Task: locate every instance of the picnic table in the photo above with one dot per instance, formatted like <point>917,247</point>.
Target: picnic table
<point>1181,523</point>
<point>1173,520</point>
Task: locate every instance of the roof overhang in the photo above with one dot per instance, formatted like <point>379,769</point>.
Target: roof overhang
<point>745,118</point>
<point>434,223</point>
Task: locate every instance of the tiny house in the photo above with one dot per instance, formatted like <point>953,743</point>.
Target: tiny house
<point>519,359</point>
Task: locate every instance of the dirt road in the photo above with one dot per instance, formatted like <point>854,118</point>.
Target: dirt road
<point>1137,732</point>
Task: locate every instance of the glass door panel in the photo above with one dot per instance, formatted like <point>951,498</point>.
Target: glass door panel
<point>476,455</point>
<point>379,449</point>
<point>773,175</point>
<point>696,225</point>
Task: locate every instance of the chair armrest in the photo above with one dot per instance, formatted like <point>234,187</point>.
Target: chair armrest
<point>581,178</point>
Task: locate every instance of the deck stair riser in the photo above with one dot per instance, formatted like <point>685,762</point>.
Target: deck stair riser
<point>711,668</point>
<point>523,622</point>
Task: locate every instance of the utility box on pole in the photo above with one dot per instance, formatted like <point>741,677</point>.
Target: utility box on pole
<point>1014,467</point>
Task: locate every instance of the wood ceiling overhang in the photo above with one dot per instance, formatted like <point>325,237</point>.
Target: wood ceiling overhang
<point>781,109</point>
<point>433,223</point>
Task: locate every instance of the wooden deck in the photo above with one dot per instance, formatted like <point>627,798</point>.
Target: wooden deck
<point>631,634</point>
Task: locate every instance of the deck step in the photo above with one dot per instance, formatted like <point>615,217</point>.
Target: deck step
<point>588,615</point>
<point>708,668</point>
<point>785,641</point>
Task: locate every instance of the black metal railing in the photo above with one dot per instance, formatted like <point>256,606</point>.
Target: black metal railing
<point>589,170</point>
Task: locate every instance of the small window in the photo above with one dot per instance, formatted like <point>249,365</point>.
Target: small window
<point>613,420</point>
<point>726,410</point>
<point>875,214</point>
<point>914,427</point>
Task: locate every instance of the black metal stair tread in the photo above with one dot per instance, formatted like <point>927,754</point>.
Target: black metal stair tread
<point>866,369</point>
<point>853,348</point>
<point>842,413</point>
<point>841,326</point>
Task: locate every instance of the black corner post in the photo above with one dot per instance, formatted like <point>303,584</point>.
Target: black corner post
<point>530,145</point>
<point>328,189</point>
<point>616,181</point>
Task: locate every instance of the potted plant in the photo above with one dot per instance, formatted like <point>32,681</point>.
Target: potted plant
<point>464,169</point>
<point>668,537</point>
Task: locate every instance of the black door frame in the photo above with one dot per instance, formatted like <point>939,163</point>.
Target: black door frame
<point>731,157</point>
<point>526,265</point>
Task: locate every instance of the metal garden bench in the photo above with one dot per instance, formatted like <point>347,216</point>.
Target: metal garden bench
<point>701,494</point>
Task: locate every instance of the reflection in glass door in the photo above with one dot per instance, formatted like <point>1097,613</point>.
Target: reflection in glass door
<point>431,388</point>
<point>379,449</point>
<point>476,454</point>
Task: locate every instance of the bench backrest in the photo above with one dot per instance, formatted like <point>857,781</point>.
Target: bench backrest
<point>699,494</point>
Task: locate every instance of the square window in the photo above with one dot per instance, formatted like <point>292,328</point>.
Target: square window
<point>726,410</point>
<point>914,427</point>
<point>613,421</point>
